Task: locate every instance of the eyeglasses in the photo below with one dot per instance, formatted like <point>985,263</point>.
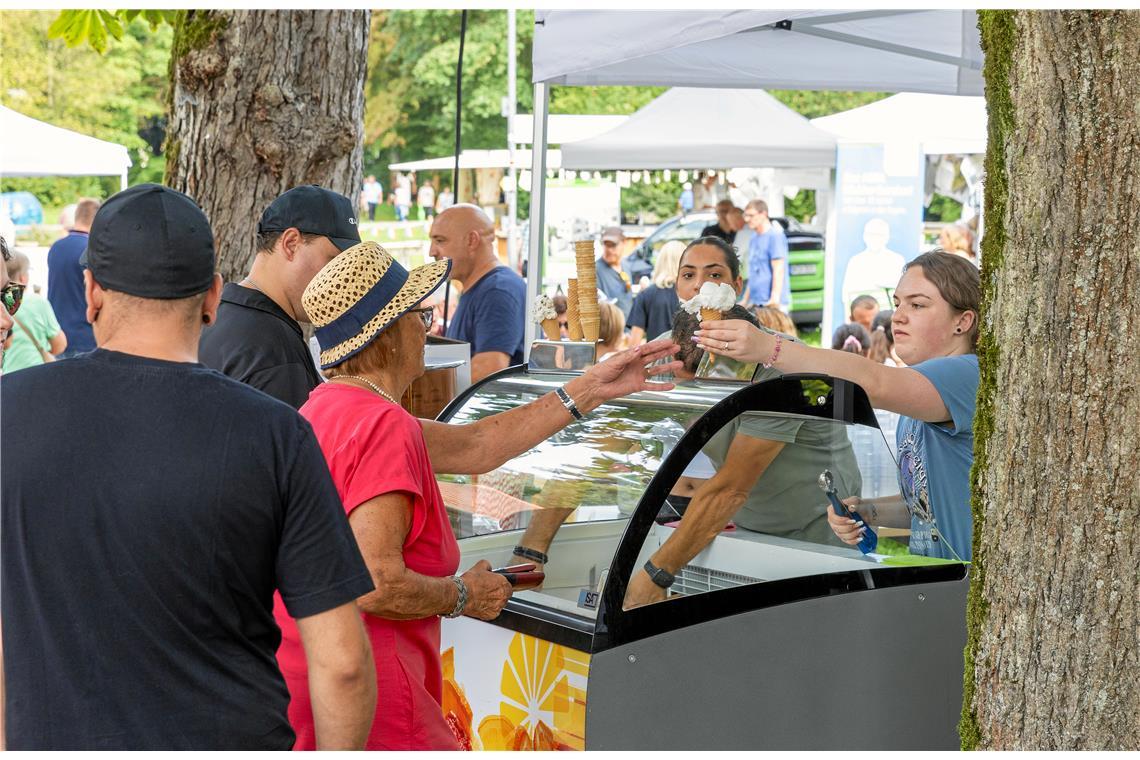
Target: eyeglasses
<point>13,294</point>
<point>427,316</point>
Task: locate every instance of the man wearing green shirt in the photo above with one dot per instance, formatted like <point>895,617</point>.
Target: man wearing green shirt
<point>36,328</point>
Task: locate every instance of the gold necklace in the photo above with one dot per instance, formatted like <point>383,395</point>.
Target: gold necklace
<point>370,384</point>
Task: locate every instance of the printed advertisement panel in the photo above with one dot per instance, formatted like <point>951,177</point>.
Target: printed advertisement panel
<point>879,193</point>
<point>503,690</point>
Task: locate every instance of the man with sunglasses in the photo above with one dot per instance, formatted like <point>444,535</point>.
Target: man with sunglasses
<point>258,339</point>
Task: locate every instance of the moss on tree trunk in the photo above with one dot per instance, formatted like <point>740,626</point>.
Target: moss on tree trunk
<point>1052,655</point>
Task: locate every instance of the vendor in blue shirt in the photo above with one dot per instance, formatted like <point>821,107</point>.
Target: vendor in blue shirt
<point>65,281</point>
<point>612,281</point>
<point>491,310</point>
<point>768,283</point>
<point>935,323</point>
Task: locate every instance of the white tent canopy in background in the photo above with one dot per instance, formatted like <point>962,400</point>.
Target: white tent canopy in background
<point>699,128</point>
<point>939,123</point>
<point>33,148</point>
<point>934,51</point>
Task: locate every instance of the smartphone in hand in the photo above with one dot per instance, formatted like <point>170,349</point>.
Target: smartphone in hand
<point>522,577</point>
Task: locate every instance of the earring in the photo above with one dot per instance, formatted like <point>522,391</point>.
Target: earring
<point>958,331</point>
<point>206,319</point>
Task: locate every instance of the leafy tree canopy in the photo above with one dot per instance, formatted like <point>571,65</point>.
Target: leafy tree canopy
<point>113,96</point>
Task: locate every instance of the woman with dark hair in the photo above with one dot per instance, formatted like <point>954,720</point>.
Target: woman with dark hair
<point>935,325</point>
<point>852,338</point>
<point>366,309</point>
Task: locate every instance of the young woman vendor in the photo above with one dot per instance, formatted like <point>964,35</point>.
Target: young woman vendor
<point>935,325</point>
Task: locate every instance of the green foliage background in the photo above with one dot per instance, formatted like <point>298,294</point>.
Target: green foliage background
<point>110,96</point>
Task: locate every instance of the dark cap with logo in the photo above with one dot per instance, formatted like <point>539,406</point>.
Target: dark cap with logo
<point>313,210</point>
<point>151,242</point>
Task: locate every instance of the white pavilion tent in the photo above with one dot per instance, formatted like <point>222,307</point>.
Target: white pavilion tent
<point>33,148</point>
<point>695,128</point>
<point>939,123</point>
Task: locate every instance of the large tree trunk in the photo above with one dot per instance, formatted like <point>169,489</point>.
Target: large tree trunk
<point>263,101</point>
<point>1053,656</point>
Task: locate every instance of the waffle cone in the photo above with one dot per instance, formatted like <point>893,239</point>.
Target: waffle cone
<point>590,328</point>
<point>550,327</point>
<point>711,315</point>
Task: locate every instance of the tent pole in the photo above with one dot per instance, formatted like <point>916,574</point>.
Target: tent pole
<point>830,232</point>
<point>123,180</point>
<point>537,205</point>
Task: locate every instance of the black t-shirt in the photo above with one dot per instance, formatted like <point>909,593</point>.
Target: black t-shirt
<point>653,310</point>
<point>715,231</point>
<point>255,342</point>
<point>150,510</point>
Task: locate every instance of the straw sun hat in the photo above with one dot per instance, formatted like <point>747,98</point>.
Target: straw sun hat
<point>358,294</point>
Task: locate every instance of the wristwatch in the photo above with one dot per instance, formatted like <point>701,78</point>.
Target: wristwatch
<point>662,578</point>
<point>461,601</point>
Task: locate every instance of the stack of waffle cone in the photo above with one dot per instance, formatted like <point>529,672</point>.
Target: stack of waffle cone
<point>711,315</point>
<point>587,289</point>
<point>573,318</point>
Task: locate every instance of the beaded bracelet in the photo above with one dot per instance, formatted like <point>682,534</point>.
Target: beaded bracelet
<point>532,554</point>
<point>776,353</point>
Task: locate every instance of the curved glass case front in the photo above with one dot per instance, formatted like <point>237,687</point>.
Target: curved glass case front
<point>720,478</point>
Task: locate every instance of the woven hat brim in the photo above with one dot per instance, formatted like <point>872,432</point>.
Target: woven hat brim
<point>422,281</point>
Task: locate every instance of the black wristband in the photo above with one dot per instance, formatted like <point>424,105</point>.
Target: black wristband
<point>568,402</point>
<point>531,554</point>
<point>662,578</point>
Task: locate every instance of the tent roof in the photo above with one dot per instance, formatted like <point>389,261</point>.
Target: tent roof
<point>694,128</point>
<point>941,123</point>
<point>33,148</point>
<point>879,50</point>
<point>478,159</point>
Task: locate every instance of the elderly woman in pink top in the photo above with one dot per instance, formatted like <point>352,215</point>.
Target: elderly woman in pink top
<point>371,329</point>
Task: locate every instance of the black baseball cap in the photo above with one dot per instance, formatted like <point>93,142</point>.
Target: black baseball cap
<point>152,242</point>
<point>314,210</point>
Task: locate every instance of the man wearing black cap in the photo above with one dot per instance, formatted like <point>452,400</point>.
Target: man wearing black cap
<point>257,339</point>
<point>139,576</point>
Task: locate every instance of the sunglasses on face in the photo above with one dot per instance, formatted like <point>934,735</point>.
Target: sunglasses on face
<point>13,294</point>
<point>427,316</point>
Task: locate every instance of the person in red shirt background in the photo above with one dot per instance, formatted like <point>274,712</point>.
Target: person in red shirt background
<point>383,461</point>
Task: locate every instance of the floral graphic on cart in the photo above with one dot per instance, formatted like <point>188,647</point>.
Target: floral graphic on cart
<point>543,695</point>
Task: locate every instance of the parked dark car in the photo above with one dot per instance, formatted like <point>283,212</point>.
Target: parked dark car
<point>805,259</point>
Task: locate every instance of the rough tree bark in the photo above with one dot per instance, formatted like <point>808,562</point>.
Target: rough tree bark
<point>262,101</point>
<point>1053,656</point>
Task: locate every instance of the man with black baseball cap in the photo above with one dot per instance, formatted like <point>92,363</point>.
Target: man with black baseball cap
<point>258,339</point>
<point>139,576</point>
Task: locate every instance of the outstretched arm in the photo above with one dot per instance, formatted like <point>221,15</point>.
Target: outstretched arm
<point>484,445</point>
<point>896,389</point>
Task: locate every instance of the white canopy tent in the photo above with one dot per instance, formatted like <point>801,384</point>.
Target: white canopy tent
<point>939,123</point>
<point>33,148</point>
<point>931,51</point>
<point>891,50</point>
<point>697,128</point>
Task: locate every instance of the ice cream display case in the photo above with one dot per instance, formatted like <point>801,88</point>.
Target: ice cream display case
<point>774,635</point>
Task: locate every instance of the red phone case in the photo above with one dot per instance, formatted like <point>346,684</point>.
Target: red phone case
<point>522,581</point>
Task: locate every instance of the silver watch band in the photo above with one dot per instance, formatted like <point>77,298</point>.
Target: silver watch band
<point>461,600</point>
